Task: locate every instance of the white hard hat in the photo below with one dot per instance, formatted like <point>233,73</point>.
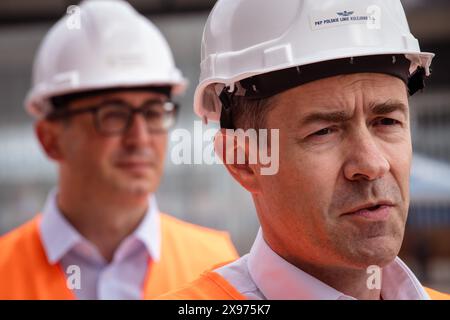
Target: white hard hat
<point>247,38</point>
<point>112,46</point>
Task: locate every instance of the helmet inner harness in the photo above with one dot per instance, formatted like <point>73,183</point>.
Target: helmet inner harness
<point>269,84</point>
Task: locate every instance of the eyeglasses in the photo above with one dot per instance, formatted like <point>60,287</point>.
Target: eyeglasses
<point>115,117</point>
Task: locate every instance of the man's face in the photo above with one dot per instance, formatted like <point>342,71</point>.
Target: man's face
<point>131,162</point>
<point>345,145</point>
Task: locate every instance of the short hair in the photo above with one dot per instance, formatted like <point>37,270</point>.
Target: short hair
<point>250,113</point>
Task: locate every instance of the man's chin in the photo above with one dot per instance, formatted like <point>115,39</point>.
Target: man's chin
<point>375,252</point>
<point>132,186</point>
<point>136,178</point>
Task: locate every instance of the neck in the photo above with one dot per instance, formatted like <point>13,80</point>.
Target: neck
<point>350,281</point>
<point>102,219</point>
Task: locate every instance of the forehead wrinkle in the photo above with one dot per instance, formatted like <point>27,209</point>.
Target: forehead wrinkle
<point>375,79</point>
<point>342,95</point>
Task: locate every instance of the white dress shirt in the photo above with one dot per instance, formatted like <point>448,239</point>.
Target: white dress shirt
<point>123,277</point>
<point>263,274</point>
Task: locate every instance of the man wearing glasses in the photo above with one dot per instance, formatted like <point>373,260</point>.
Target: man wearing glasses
<point>102,98</point>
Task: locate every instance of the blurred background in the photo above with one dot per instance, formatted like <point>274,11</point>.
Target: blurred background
<point>206,194</point>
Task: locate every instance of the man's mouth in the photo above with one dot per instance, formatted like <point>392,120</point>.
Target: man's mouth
<point>135,166</point>
<point>379,211</point>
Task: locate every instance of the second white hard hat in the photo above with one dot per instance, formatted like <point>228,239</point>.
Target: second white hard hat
<point>102,44</point>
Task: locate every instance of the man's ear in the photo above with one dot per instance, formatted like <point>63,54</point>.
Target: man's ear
<point>228,148</point>
<point>48,134</point>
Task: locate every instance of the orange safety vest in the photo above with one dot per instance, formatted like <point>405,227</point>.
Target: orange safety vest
<point>186,251</point>
<point>212,286</point>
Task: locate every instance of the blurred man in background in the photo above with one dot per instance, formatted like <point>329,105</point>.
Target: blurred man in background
<point>101,94</point>
<point>334,78</point>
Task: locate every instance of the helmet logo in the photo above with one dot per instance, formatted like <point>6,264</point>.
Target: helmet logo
<point>364,15</point>
<point>345,13</point>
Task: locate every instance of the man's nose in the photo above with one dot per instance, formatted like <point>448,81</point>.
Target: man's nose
<point>365,159</point>
<point>137,133</point>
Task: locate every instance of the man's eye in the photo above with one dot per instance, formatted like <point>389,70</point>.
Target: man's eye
<point>151,114</point>
<point>323,132</point>
<point>386,122</point>
<point>114,115</point>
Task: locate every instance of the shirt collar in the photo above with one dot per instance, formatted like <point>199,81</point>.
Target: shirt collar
<point>59,236</point>
<point>278,279</point>
<point>148,230</point>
